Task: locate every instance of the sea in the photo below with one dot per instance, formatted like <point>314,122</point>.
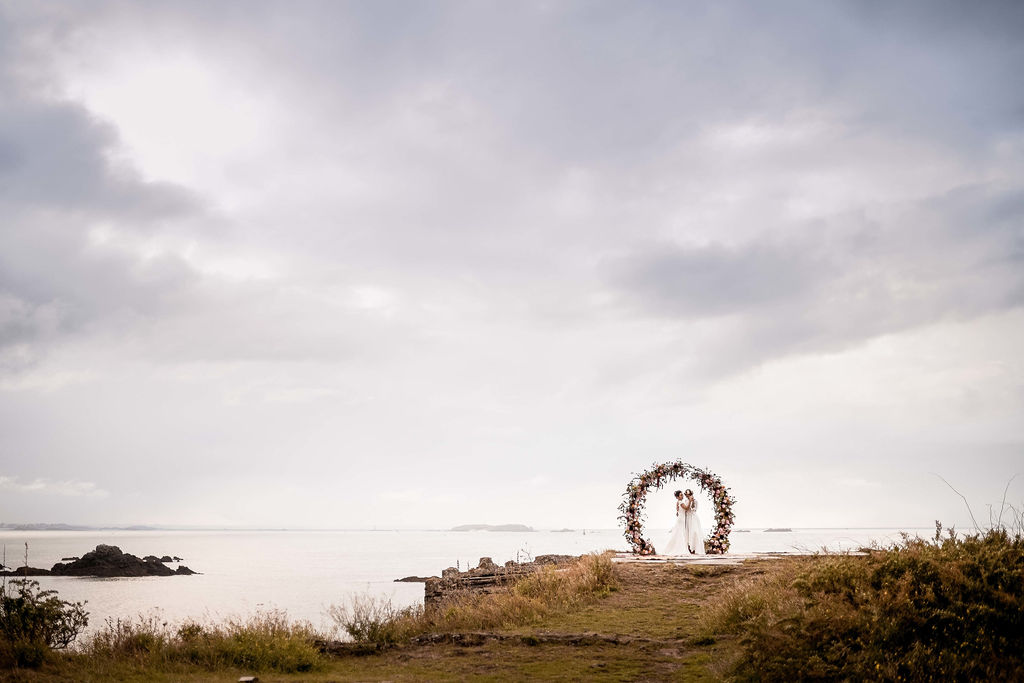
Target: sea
<point>305,573</point>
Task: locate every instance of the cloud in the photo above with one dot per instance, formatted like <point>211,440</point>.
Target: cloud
<point>713,280</point>
<point>69,488</point>
<point>332,241</point>
<point>59,183</point>
<point>839,282</point>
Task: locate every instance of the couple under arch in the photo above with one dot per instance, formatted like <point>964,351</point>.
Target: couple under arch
<point>687,536</point>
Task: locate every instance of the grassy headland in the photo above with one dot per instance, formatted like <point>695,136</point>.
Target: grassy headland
<point>951,608</point>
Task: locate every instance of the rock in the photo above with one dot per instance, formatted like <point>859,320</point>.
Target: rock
<point>154,558</point>
<point>26,571</point>
<point>184,571</point>
<point>110,561</point>
<point>487,564</point>
<point>485,578</point>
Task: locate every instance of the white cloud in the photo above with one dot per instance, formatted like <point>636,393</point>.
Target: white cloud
<point>463,251</point>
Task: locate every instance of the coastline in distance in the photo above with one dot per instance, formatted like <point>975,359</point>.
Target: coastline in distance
<point>491,527</point>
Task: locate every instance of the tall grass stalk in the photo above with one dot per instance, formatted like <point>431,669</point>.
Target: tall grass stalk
<point>266,641</point>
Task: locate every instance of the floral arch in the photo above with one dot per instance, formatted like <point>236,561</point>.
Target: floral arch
<point>657,476</point>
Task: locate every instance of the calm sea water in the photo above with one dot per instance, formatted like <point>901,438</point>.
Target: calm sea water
<point>305,572</point>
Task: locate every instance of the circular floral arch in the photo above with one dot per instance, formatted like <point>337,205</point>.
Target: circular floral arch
<point>657,476</point>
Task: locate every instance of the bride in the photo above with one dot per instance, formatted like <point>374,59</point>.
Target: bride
<point>687,537</point>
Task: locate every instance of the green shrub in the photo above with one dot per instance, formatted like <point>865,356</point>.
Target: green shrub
<point>34,621</point>
<point>953,608</point>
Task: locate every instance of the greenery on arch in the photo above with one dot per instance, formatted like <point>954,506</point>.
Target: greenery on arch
<point>657,476</point>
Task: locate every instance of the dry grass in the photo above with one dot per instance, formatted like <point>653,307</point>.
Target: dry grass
<point>768,595</point>
<point>526,601</point>
<point>267,641</point>
<point>655,604</point>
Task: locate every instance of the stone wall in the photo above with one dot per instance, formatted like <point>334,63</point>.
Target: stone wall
<point>486,577</point>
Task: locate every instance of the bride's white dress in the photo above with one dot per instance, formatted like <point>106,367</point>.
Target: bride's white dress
<point>686,537</point>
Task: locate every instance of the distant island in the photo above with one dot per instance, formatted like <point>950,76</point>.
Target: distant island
<point>71,527</point>
<point>779,529</point>
<point>491,527</point>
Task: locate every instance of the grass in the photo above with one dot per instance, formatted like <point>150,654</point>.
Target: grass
<point>593,597</point>
<point>267,641</point>
<point>550,590</point>
<point>948,609</point>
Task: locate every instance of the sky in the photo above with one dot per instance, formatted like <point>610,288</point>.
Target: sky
<point>412,265</point>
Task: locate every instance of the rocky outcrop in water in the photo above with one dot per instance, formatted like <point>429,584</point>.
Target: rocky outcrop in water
<point>154,558</point>
<point>26,571</point>
<point>109,560</point>
<point>106,561</point>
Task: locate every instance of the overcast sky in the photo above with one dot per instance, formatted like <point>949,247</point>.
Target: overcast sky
<point>331,264</point>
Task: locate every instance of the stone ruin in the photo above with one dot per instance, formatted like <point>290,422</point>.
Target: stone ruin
<point>486,577</point>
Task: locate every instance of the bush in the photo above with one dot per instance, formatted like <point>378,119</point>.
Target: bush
<point>267,641</point>
<point>953,608</point>
<point>34,621</point>
<point>371,619</point>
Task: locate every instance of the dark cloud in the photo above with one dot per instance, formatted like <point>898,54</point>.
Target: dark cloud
<point>717,280</point>
<point>627,95</point>
<point>55,156</point>
<point>57,183</point>
<point>841,282</point>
